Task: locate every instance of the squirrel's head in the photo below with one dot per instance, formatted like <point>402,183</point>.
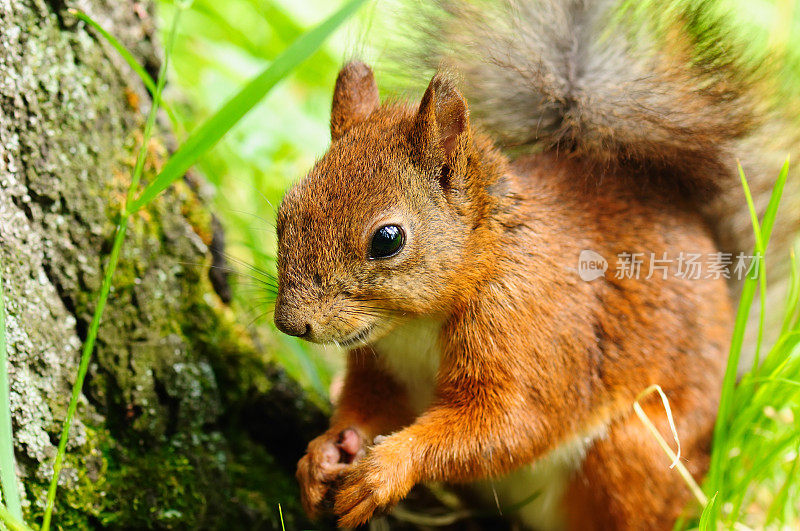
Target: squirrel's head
<point>380,227</point>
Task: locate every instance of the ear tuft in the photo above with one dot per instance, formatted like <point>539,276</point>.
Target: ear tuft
<point>443,116</point>
<point>354,98</point>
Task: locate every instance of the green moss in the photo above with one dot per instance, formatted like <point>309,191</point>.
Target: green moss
<point>211,483</point>
<point>84,483</point>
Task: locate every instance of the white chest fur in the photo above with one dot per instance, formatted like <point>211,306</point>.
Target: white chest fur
<point>411,353</point>
<point>542,484</point>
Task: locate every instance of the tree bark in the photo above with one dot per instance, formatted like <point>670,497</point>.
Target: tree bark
<point>183,422</point>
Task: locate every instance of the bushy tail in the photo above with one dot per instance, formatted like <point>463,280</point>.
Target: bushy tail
<point>680,89</point>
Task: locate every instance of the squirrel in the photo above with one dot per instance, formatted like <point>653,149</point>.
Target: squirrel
<point>440,242</point>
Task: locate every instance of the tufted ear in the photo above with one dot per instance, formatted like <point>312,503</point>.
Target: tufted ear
<point>354,98</point>
<point>442,122</point>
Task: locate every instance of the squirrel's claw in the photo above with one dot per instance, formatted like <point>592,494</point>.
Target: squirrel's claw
<point>375,483</point>
<point>327,458</point>
<point>357,514</point>
<point>356,500</point>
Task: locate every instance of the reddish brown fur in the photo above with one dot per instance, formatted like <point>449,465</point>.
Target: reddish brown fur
<point>532,356</point>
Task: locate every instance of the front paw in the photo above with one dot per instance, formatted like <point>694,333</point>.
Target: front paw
<point>375,484</point>
<point>327,458</point>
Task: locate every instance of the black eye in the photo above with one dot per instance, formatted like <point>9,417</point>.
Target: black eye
<point>387,241</point>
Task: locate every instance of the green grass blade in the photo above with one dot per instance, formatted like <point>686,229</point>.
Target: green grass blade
<point>759,274</point>
<point>751,207</point>
<point>706,519</point>
<point>757,469</point>
<point>777,507</point>
<point>86,355</point>
<point>772,208</point>
<point>119,238</point>
<point>128,57</point>
<point>728,384</point>
<point>8,475</point>
<point>719,454</point>
<point>765,232</point>
<point>123,52</point>
<point>793,296</point>
<point>10,521</point>
<point>208,134</point>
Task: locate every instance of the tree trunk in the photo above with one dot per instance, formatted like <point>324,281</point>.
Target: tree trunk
<point>183,422</point>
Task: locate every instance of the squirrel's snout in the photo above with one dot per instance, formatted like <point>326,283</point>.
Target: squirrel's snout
<point>291,321</point>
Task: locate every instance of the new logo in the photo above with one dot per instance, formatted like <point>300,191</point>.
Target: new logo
<point>591,265</point>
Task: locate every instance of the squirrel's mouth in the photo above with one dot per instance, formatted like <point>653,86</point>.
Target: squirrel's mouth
<point>358,337</point>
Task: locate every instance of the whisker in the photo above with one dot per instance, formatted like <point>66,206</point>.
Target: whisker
<point>255,291</point>
<point>245,280</point>
<point>267,201</point>
<point>251,267</point>
<point>264,281</point>
<point>244,212</point>
<point>264,301</point>
<point>258,317</point>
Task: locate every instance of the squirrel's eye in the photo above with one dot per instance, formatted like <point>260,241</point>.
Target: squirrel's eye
<point>387,241</point>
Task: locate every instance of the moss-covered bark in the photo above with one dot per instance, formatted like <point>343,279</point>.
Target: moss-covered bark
<point>183,423</point>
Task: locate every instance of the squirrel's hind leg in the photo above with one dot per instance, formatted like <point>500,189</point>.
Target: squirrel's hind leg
<point>625,481</point>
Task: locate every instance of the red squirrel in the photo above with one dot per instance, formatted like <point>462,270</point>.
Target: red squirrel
<point>477,351</point>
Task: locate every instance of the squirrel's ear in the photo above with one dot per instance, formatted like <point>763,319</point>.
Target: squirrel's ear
<point>443,118</point>
<point>354,98</point>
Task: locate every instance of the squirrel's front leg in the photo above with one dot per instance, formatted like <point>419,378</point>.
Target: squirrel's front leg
<point>482,434</point>
<point>371,404</point>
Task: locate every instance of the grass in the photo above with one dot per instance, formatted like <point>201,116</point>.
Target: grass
<point>8,475</point>
<point>752,479</point>
<point>129,58</point>
<point>676,455</point>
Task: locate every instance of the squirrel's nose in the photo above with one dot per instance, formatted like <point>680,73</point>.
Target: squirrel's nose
<point>290,321</point>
